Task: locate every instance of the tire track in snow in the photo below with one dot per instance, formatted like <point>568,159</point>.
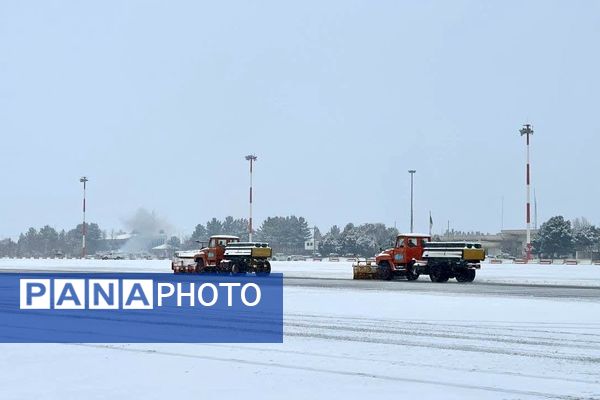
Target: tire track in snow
<point>355,374</point>
<point>402,363</point>
<point>446,346</point>
<point>396,337</point>
<point>539,342</point>
<point>475,326</point>
<point>470,332</point>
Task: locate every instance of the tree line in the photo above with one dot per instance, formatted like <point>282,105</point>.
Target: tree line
<point>559,237</point>
<point>289,234</point>
<point>285,234</point>
<point>556,237</point>
<point>48,242</point>
<point>363,240</point>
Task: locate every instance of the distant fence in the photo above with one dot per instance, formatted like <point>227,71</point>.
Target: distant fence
<point>79,258</point>
<point>545,261</point>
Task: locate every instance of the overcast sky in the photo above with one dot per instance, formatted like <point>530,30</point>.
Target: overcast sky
<point>158,102</point>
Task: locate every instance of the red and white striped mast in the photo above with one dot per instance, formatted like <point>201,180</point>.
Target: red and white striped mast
<point>83,180</point>
<point>528,131</point>
<point>251,158</point>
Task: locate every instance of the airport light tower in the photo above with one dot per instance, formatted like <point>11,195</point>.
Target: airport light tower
<point>252,158</point>
<point>412,174</point>
<point>83,180</point>
<point>528,131</point>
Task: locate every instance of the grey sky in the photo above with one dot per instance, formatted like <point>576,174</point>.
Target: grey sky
<point>158,102</point>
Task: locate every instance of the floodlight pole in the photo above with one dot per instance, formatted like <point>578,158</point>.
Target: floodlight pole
<point>83,180</point>
<point>251,158</point>
<point>528,131</point>
<point>412,173</point>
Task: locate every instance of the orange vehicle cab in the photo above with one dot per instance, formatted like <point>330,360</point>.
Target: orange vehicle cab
<point>402,258</point>
<point>211,256</point>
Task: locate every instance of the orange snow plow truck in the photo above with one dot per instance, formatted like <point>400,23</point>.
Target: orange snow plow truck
<point>225,254</point>
<point>415,254</point>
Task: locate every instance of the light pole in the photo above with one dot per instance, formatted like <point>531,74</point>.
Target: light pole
<point>83,180</point>
<point>251,158</point>
<point>412,174</point>
<point>528,131</point>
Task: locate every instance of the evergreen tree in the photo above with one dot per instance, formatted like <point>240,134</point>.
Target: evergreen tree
<point>8,248</point>
<point>330,243</point>
<point>48,240</point>
<point>365,240</point>
<point>200,233</point>
<point>554,238</point>
<point>174,242</point>
<point>214,227</point>
<point>586,236</point>
<point>335,231</point>
<point>237,227</point>
<point>301,232</point>
<point>286,234</point>
<point>29,243</point>
<point>270,231</point>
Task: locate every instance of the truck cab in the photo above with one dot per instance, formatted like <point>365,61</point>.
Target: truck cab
<point>407,250</point>
<point>211,255</point>
<point>215,251</point>
<point>207,259</point>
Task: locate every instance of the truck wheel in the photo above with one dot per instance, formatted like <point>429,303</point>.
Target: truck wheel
<point>466,275</point>
<point>411,272</point>
<point>386,270</point>
<point>437,274</point>
<point>235,269</point>
<point>199,266</point>
<point>264,269</point>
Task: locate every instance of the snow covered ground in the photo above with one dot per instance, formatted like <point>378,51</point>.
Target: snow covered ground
<point>344,343</point>
<point>576,275</point>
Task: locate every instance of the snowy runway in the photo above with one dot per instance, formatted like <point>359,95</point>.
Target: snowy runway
<point>350,339</point>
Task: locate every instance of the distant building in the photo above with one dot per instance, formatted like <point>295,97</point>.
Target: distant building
<point>515,241</point>
<point>311,245</point>
<point>135,243</point>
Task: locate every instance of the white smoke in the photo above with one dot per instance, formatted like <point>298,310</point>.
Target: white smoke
<point>149,230</point>
<point>144,222</point>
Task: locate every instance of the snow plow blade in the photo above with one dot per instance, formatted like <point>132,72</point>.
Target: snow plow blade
<point>367,270</point>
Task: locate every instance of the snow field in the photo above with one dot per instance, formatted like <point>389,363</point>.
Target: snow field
<point>344,343</point>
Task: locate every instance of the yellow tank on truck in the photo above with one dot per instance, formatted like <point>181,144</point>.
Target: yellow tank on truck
<point>262,252</point>
<point>474,255</point>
